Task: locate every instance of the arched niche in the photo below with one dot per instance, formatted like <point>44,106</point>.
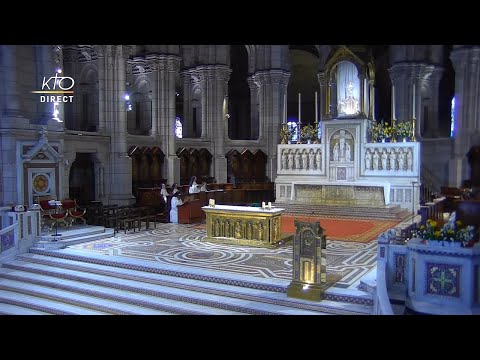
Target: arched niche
<point>349,84</point>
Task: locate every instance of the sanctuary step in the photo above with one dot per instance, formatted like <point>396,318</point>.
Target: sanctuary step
<point>68,281</point>
<point>76,234</point>
<point>389,212</point>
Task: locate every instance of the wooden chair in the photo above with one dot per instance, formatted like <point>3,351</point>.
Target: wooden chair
<point>75,212</point>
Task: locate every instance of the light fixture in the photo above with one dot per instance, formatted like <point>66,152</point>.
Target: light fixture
<point>127,97</point>
<point>58,70</point>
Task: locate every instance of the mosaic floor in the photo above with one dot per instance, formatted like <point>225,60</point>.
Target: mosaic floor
<point>178,244</point>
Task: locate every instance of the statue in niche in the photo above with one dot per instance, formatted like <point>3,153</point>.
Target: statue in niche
<point>311,160</point>
<point>304,160</point>
<point>318,159</point>
<point>401,159</point>
<point>255,229</point>
<point>275,229</point>
<point>284,159</point>
<point>335,152</point>
<point>238,230</point>
<point>217,228</point>
<point>291,165</point>
<point>368,160</point>
<point>227,228</point>
<point>260,231</point>
<point>297,160</point>
<point>249,230</point>
<point>392,156</point>
<point>376,159</point>
<point>410,159</point>
<point>347,152</point>
<point>348,89</point>
<point>384,159</point>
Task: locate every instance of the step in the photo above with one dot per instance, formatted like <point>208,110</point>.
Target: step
<point>44,305</point>
<point>8,309</point>
<point>50,242</point>
<point>148,296</point>
<point>74,298</point>
<point>227,301</point>
<point>253,292</point>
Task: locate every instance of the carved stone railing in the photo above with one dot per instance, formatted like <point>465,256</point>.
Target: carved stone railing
<point>301,159</point>
<point>400,159</point>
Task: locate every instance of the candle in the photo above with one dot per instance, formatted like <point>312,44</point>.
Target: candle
<point>316,107</point>
<point>413,112</point>
<point>285,108</point>
<point>269,204</point>
<point>263,204</point>
<point>211,202</point>
<point>299,108</point>
<point>393,102</point>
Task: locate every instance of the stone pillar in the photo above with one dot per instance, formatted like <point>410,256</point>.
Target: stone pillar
<point>10,99</point>
<point>361,79</point>
<point>466,61</point>
<point>254,110</point>
<point>168,135</point>
<point>272,85</point>
<point>152,61</point>
<point>121,163</point>
<point>323,95</point>
<point>433,81</point>
<point>404,75</point>
<point>220,130</point>
<point>100,50</point>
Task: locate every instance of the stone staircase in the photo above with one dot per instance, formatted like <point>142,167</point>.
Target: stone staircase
<point>389,212</point>
<point>69,281</point>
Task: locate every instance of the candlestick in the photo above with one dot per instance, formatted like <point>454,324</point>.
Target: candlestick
<point>413,111</point>
<point>393,102</point>
<point>316,107</point>
<point>299,108</point>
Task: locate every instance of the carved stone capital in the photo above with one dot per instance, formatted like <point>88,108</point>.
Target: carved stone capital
<point>271,77</point>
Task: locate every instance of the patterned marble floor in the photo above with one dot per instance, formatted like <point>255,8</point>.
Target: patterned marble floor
<point>178,244</point>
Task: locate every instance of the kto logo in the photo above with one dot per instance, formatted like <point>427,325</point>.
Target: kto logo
<point>58,81</point>
<point>56,85</point>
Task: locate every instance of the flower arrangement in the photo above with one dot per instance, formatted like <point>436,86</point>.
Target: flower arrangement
<point>308,132</point>
<point>404,129</point>
<point>452,230</point>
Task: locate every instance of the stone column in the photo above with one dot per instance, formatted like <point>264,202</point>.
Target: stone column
<point>153,63</point>
<point>100,50</point>
<point>219,128</point>
<point>167,66</point>
<point>272,85</point>
<point>466,61</point>
<point>121,163</point>
<point>361,79</point>
<point>404,75</point>
<point>254,110</point>
<point>10,99</point>
<point>433,81</point>
<point>323,96</point>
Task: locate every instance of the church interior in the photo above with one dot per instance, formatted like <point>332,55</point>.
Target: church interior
<point>239,179</point>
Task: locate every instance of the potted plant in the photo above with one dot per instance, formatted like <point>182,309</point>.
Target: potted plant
<point>308,133</point>
<point>452,233</point>
<point>404,130</point>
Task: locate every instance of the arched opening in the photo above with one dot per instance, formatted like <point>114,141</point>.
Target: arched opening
<point>239,120</point>
<point>82,179</point>
<point>304,64</point>
<point>139,120</point>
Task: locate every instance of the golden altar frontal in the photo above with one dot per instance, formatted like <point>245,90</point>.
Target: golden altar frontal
<point>244,225</point>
